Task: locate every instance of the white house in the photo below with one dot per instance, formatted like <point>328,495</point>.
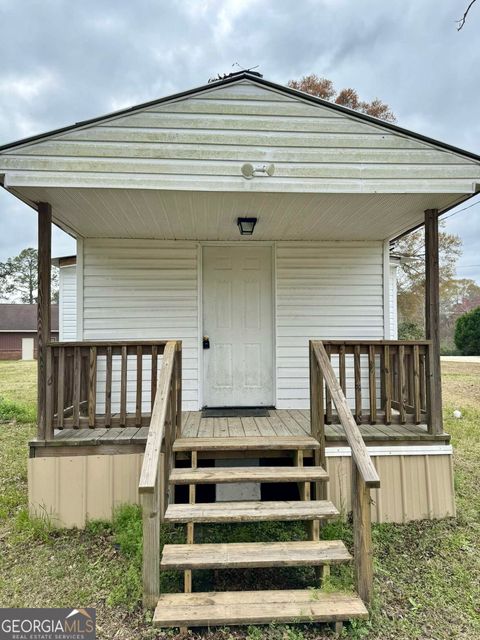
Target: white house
<point>232,247</point>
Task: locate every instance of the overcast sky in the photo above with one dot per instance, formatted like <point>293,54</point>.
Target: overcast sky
<point>64,61</point>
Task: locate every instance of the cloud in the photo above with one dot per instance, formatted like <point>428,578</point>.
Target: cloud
<point>67,61</point>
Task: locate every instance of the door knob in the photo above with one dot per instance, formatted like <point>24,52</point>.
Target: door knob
<point>206,342</point>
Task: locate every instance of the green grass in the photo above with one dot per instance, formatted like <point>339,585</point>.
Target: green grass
<point>18,380</point>
<point>427,574</point>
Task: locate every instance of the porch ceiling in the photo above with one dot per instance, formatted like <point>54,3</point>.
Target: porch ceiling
<point>200,215</point>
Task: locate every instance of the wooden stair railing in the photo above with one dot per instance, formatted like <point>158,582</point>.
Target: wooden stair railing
<point>153,487</point>
<point>364,474</point>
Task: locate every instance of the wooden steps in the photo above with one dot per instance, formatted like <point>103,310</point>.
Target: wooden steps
<point>254,555</point>
<point>254,443</point>
<point>251,511</point>
<point>218,475</point>
<point>189,609</point>
<point>256,607</point>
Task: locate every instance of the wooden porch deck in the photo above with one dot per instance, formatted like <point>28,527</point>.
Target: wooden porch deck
<point>281,422</point>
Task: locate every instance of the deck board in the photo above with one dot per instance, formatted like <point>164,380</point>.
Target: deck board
<point>283,423</point>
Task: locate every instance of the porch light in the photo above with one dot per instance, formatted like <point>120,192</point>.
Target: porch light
<point>246,225</point>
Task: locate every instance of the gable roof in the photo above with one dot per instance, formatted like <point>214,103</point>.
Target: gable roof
<point>254,78</point>
<point>18,318</point>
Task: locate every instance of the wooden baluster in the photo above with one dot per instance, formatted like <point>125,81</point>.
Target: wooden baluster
<point>358,383</point>
<point>387,384</point>
<point>153,386</point>
<point>108,386</point>
<point>49,394</point>
<point>76,386</point>
<point>402,381</point>
<point>92,387</point>
<point>372,384</point>
<point>138,395</point>
<point>410,376</point>
<point>123,386</point>
<point>341,368</point>
<point>416,384</point>
<point>423,390</point>
<point>61,387</point>
<point>178,389</point>
<point>84,380</point>
<point>328,397</point>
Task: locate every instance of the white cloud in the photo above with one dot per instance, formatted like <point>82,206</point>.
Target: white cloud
<point>29,86</point>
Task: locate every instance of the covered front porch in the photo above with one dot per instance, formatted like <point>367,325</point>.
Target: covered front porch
<point>102,394</point>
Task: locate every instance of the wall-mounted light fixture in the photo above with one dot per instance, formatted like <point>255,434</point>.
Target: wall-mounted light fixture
<point>246,225</point>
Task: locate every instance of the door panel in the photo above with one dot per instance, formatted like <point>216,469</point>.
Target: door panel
<point>238,319</point>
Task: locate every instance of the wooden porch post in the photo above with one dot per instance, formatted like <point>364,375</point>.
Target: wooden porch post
<point>43,315</point>
<point>432,320</point>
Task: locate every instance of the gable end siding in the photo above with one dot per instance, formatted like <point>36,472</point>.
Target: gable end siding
<point>200,142</point>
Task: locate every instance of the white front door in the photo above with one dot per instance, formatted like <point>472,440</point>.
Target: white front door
<point>238,320</point>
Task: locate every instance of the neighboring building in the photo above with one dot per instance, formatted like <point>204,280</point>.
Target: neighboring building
<point>18,330</point>
<point>67,299</point>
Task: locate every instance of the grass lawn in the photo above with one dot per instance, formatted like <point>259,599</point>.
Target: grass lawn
<point>427,579</point>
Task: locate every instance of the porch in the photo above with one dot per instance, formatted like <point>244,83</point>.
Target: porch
<point>100,397</point>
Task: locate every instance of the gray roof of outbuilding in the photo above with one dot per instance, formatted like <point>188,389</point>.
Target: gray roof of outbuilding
<point>23,317</point>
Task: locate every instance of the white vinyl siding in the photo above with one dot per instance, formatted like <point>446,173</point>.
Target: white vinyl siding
<point>149,289</point>
<point>393,302</point>
<point>199,142</point>
<point>324,290</point>
<point>68,303</point>
<point>144,289</point>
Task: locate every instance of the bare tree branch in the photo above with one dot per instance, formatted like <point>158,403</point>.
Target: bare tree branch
<point>461,22</point>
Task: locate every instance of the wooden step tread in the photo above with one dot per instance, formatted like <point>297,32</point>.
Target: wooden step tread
<point>246,443</point>
<point>253,554</point>
<point>216,475</point>
<point>256,607</point>
<point>251,511</point>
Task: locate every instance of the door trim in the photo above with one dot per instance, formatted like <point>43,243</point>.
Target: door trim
<point>235,243</point>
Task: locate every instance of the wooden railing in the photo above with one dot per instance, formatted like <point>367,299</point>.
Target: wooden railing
<point>384,381</point>
<point>165,426</point>
<point>324,388</point>
<point>101,384</point>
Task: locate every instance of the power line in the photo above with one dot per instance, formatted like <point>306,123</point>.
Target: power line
<point>460,210</point>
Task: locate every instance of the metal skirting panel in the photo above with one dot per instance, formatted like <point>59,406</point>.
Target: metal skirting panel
<point>413,487</point>
<point>72,490</point>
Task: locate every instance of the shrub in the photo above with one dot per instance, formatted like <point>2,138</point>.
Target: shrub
<point>467,333</point>
<point>410,331</point>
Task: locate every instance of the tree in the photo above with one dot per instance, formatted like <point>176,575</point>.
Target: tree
<point>461,22</point>
<point>18,278</point>
<point>411,272</point>
<point>467,333</point>
<point>323,88</point>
